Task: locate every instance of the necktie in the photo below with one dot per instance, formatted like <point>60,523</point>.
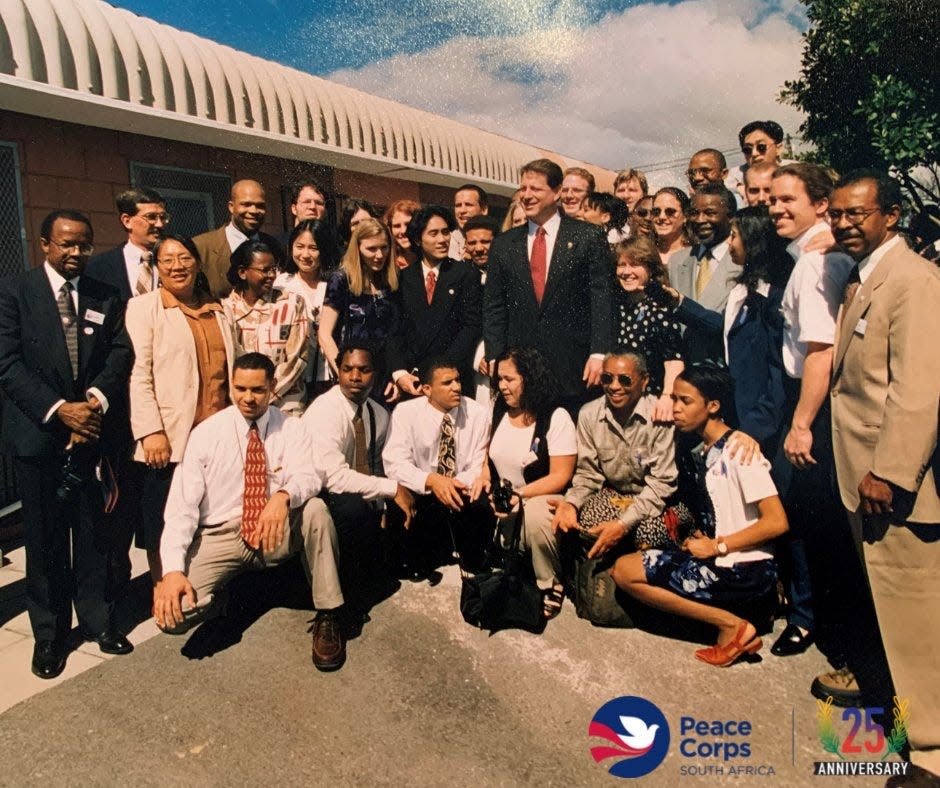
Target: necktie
<point>256,487</point>
<point>144,275</point>
<point>430,282</point>
<point>537,264</point>
<point>851,288</point>
<point>361,460</point>
<point>704,273</point>
<point>69,324</point>
<point>447,451</point>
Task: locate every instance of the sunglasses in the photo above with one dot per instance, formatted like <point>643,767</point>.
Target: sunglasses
<point>760,147</point>
<point>642,212</point>
<point>670,212</point>
<point>624,380</point>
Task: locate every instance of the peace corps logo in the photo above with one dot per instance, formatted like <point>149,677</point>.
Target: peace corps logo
<point>636,735</point>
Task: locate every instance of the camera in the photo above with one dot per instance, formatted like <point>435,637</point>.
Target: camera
<point>502,496</point>
<point>71,482</point>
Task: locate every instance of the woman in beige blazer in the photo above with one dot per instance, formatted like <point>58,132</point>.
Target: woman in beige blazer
<point>182,366</point>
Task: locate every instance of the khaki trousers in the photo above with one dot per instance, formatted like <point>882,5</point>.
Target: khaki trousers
<point>218,553</point>
<point>904,573</point>
<point>538,537</point>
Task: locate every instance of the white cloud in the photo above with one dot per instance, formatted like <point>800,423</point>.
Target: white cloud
<point>649,85</point>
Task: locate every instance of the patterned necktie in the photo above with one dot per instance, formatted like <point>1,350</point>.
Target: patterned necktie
<point>430,282</point>
<point>144,274</point>
<point>704,273</point>
<point>361,460</point>
<point>447,450</point>
<point>69,324</point>
<point>256,487</point>
<point>851,288</point>
<point>537,264</point>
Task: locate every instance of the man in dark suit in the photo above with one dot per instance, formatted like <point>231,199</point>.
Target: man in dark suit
<point>441,303</point>
<point>130,269</point>
<point>65,361</point>
<point>247,208</point>
<point>548,287</point>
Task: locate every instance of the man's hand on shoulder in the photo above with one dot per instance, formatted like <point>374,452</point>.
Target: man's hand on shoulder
<point>592,371</point>
<point>167,599</point>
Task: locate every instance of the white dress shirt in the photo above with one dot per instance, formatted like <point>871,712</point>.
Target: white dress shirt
<point>718,251</point>
<point>209,484</point>
<point>870,263</point>
<point>56,280</point>
<point>736,305</point>
<point>132,256</point>
<point>811,298</point>
<point>411,452</point>
<point>551,235</point>
<point>234,236</point>
<point>329,423</point>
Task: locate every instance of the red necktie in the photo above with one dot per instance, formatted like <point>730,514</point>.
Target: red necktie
<point>537,264</point>
<point>256,487</point>
<point>430,281</point>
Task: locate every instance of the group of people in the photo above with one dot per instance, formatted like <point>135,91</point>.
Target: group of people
<point>715,394</point>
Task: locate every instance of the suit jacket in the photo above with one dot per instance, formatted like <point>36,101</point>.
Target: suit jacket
<point>450,326</point>
<point>35,371</point>
<point>216,257</point>
<point>164,385</point>
<point>699,347</point>
<point>886,384</point>
<point>574,319</point>
<point>108,267</point>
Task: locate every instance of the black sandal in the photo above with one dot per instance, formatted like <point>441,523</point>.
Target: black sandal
<point>552,599</point>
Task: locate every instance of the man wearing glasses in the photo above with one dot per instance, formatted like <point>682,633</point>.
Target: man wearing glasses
<point>65,361</point>
<point>706,166</point>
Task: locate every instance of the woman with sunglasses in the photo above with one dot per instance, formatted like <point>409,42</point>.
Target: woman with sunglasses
<point>642,325</point>
<point>670,209</point>
<point>269,321</point>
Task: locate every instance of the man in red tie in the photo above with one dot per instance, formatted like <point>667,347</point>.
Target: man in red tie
<point>244,497</point>
<point>548,287</point>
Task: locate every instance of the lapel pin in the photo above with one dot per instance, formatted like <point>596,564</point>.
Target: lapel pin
<point>89,330</point>
<point>451,291</point>
<point>570,244</point>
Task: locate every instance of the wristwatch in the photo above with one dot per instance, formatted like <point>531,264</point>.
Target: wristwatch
<point>721,547</point>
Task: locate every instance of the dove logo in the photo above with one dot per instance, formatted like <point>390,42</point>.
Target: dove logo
<point>636,735</point>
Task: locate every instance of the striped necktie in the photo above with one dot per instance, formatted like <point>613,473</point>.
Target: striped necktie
<point>256,487</point>
<point>69,324</point>
<point>144,274</point>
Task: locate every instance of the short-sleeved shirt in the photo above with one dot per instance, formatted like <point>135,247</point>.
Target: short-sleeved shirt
<point>811,299</point>
<point>513,448</point>
<point>643,326</point>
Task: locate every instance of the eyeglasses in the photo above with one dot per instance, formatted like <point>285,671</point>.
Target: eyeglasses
<point>184,261</point>
<point>85,249</point>
<point>670,212</point>
<point>703,171</point>
<point>760,147</point>
<point>271,270</point>
<point>153,218</point>
<point>624,380</point>
<point>642,212</point>
<point>853,216</point>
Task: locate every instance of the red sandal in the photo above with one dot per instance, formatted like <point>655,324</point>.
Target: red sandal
<point>723,656</point>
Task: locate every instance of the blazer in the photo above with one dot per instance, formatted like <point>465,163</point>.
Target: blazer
<point>681,267</point>
<point>754,344</point>
<point>574,319</point>
<point>216,257</point>
<point>108,267</point>
<point>450,326</point>
<point>886,385</point>
<point>164,384</point>
<point>35,371</point>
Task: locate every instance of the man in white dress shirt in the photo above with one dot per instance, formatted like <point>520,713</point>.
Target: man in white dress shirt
<point>436,449</point>
<point>347,433</point>
<point>246,475</point>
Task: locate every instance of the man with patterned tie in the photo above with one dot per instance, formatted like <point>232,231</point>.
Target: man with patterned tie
<point>129,269</point>
<point>244,497</point>
<point>436,448</point>
<point>548,286</point>
<point>65,360</point>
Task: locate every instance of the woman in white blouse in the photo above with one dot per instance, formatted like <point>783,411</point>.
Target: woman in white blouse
<point>534,446</point>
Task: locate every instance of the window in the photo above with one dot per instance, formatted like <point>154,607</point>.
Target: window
<point>196,201</point>
<point>12,225</point>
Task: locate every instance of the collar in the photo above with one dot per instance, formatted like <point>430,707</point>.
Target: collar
<point>170,301</point>
<point>642,410</point>
<point>718,251</point>
<point>798,244</point>
<point>56,279</point>
<point>868,265</point>
<point>713,452</point>
<point>234,236</point>
<point>551,225</point>
<point>438,414</point>
<point>426,269</point>
<point>244,426</point>
<point>349,407</point>
<point>133,253</point>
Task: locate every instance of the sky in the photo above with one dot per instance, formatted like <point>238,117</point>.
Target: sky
<point>618,83</point>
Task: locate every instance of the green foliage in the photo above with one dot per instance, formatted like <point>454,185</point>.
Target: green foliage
<point>870,84</point>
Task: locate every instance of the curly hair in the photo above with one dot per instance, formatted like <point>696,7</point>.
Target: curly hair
<point>539,389</point>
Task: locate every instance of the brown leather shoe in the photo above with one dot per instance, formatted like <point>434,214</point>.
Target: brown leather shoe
<point>329,646</point>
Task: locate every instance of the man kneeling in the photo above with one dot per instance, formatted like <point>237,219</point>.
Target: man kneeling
<point>221,519</point>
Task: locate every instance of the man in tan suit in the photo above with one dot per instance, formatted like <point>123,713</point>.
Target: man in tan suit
<point>885,395</point>
<point>247,209</point>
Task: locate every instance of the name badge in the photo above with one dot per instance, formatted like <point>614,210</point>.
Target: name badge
<point>94,317</point>
<point>860,326</point>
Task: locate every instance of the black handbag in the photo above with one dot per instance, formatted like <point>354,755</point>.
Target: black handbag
<point>505,595</point>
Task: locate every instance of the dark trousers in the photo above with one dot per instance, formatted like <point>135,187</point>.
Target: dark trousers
<point>361,543</point>
<point>66,551</point>
<point>122,523</point>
